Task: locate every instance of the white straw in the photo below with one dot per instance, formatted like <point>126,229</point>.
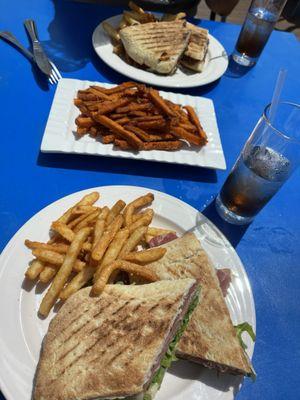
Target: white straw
<point>277,93</point>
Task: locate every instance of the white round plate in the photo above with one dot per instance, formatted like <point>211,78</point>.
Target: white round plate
<point>213,69</point>
<point>21,331</point>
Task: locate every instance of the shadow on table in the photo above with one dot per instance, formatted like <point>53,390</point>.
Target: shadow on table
<point>70,44</point>
<point>128,167</point>
<point>236,70</point>
<point>233,233</point>
<point>211,378</point>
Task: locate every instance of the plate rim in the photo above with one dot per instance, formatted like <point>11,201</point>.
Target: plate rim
<point>9,245</point>
<point>99,29</point>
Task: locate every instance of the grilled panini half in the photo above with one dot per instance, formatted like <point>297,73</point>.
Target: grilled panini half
<point>113,346</point>
<point>196,51</point>
<point>210,338</point>
<point>156,45</point>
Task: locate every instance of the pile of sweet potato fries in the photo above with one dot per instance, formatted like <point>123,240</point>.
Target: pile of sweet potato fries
<point>133,116</point>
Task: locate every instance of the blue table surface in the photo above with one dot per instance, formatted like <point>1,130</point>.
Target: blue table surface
<point>269,247</point>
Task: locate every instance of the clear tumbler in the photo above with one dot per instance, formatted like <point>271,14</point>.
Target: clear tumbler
<point>268,158</point>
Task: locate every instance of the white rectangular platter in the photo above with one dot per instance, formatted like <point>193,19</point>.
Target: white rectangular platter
<point>60,137</point>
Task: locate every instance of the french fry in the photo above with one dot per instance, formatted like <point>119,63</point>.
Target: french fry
<point>152,231</point>
<point>146,256</point>
<point>111,31</point>
<point>87,221</point>
<point>173,17</point>
<point>136,8</point>
<point>35,268</point>
<point>106,239</point>
<point>113,250</point>
<point>195,120</point>
<point>55,259</point>
<point>87,200</point>
<point>129,20</point>
<point>48,273</point>
<point>104,213</point>
<point>115,210</point>
<point>64,272</point>
<point>98,231</point>
<point>122,24</point>
<point>137,216</point>
<point>79,280</point>
<point>84,209</point>
<point>131,268</point>
<point>74,222</point>
<point>67,233</point>
<point>119,130</point>
<point>134,239</point>
<point>135,205</point>
<point>58,247</point>
<point>145,220</point>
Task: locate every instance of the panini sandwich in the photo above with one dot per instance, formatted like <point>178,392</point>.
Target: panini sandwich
<point>156,45</point>
<point>210,338</point>
<point>196,51</point>
<point>116,345</point>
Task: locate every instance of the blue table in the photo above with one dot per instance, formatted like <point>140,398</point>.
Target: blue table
<point>269,247</point>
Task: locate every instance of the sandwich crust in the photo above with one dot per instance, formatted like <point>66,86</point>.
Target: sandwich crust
<point>158,45</point>
<point>107,346</point>
<point>210,338</point>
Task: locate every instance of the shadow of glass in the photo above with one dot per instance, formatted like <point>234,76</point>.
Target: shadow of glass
<point>233,233</point>
<point>128,167</point>
<point>71,30</point>
<point>236,70</point>
<point>191,371</point>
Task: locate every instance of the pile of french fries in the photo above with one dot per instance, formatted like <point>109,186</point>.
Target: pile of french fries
<point>135,16</point>
<point>90,244</point>
<point>133,116</point>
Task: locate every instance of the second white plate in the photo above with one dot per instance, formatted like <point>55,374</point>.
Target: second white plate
<point>60,137</point>
<point>215,67</point>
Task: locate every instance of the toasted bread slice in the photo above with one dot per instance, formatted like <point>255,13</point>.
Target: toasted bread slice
<point>156,45</point>
<point>194,65</point>
<point>111,346</point>
<point>210,338</point>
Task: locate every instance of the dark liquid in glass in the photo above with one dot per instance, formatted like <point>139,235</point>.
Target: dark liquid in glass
<point>255,33</point>
<point>254,180</point>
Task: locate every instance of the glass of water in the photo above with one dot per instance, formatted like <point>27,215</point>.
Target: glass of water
<point>259,23</point>
<point>268,158</point>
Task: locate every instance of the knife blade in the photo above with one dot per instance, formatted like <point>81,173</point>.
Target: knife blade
<point>38,53</point>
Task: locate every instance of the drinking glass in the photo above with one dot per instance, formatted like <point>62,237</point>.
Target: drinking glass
<point>257,28</point>
<point>268,158</point>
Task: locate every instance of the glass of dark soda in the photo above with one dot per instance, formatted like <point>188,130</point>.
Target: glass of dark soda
<point>268,158</point>
<point>258,26</point>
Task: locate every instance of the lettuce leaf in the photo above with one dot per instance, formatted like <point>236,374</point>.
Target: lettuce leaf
<point>169,357</point>
<point>246,327</point>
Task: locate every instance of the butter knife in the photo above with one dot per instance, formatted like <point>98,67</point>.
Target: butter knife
<point>38,53</point>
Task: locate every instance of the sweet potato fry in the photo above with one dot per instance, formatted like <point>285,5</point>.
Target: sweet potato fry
<point>81,131</point>
<point>146,256</point>
<point>109,106</point>
<point>189,137</point>
<point>98,93</point>
<point>160,103</point>
<point>131,268</point>
<point>122,121</point>
<point>170,145</point>
<point>122,144</point>
<point>195,121</point>
<point>130,137</point>
<point>64,272</point>
<point>133,107</point>
<point>84,122</point>
<point>136,204</point>
<point>107,139</point>
<point>120,88</point>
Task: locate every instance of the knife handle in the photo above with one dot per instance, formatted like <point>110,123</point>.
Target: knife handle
<point>31,29</point>
<point>9,37</point>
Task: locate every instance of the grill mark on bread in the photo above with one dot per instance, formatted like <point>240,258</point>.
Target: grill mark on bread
<point>120,308</point>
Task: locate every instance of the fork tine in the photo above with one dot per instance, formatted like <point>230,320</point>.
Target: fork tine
<point>56,70</point>
<point>55,75</point>
<point>50,80</point>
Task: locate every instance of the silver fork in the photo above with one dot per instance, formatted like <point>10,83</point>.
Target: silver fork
<point>54,75</point>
